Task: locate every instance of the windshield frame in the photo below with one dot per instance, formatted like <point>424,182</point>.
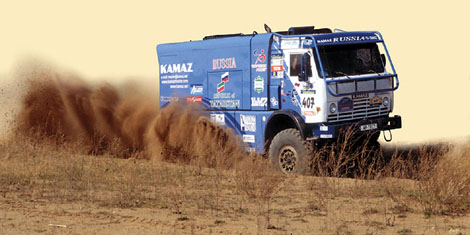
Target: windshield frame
<point>325,38</point>
<point>325,56</point>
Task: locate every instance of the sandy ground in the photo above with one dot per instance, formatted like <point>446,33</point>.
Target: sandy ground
<point>293,210</point>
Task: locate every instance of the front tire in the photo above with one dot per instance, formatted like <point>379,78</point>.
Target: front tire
<point>289,153</point>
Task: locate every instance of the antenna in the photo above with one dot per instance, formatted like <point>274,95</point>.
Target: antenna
<point>266,27</point>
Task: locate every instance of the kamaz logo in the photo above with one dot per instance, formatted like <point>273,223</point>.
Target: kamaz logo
<point>259,101</point>
<point>176,68</point>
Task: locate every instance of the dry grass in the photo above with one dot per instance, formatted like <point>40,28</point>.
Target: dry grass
<point>250,191</point>
<point>446,187</point>
<point>438,173</point>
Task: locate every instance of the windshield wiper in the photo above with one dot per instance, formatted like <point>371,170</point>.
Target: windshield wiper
<point>341,73</point>
<point>373,71</point>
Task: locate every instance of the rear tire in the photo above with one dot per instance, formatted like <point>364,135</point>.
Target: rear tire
<point>289,153</point>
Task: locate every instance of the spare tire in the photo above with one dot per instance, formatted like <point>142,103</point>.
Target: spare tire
<point>289,153</point>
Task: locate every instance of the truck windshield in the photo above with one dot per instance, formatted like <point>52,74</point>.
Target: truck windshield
<point>352,59</point>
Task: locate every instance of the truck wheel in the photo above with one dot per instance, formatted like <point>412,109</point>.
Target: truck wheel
<point>289,153</point>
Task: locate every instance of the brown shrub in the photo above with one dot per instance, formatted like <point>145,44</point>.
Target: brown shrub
<point>257,178</point>
<point>351,155</point>
<point>445,188</point>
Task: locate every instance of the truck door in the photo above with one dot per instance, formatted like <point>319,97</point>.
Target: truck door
<point>300,74</point>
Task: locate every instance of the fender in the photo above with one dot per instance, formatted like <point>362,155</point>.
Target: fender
<point>293,116</point>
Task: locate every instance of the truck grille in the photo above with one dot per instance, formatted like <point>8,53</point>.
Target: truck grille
<point>361,109</point>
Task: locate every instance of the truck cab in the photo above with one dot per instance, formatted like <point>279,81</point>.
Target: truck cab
<point>283,91</point>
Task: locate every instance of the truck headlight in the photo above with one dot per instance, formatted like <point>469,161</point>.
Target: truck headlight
<point>332,108</point>
<point>385,101</point>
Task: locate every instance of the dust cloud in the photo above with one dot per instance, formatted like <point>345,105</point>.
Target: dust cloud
<point>124,121</point>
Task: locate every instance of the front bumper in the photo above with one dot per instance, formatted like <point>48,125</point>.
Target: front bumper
<point>333,130</point>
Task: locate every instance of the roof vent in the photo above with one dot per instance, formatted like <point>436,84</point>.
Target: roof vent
<point>301,30</point>
<point>307,30</point>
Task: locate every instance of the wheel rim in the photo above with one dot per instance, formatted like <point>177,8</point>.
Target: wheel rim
<point>287,158</point>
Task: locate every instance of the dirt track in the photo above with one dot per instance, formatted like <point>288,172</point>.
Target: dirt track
<point>344,207</point>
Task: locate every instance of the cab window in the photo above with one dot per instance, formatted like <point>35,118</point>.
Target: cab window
<point>295,65</point>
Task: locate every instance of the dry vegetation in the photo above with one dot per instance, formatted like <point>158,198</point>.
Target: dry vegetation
<point>248,197</point>
<point>121,167</point>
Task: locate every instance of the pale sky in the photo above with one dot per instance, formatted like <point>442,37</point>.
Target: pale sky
<point>115,41</point>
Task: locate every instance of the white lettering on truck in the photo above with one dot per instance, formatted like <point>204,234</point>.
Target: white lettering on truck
<point>176,68</point>
<point>259,101</point>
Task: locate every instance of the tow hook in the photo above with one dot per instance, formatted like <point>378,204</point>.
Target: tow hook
<point>385,136</point>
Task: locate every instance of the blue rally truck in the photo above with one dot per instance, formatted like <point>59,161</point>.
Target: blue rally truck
<point>283,91</point>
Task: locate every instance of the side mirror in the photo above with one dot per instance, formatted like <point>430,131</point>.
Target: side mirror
<point>305,67</point>
<point>384,61</point>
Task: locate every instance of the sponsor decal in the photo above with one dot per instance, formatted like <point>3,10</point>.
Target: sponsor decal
<point>290,43</point>
<point>376,100</point>
<point>169,99</point>
<point>249,138</point>
<point>176,68</point>
<point>165,98</point>
<point>277,75</point>
<point>259,64</point>
<point>308,92</point>
<point>345,104</point>
<point>259,101</point>
<point>174,80</point>
<point>309,113</point>
<point>277,68</point>
<point>276,39</point>
<point>347,39</point>
<point>259,67</point>
<point>225,103</point>
<point>276,60</point>
<point>176,83</point>
<point>171,74</point>
<point>194,99</point>
<point>260,57</point>
<point>274,101</point>
<point>248,123</point>
<point>293,94</point>
<point>224,95</point>
<point>218,118</point>
<point>224,63</point>
<point>221,85</point>
<point>197,89</point>
<point>259,84</point>
<point>307,42</point>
